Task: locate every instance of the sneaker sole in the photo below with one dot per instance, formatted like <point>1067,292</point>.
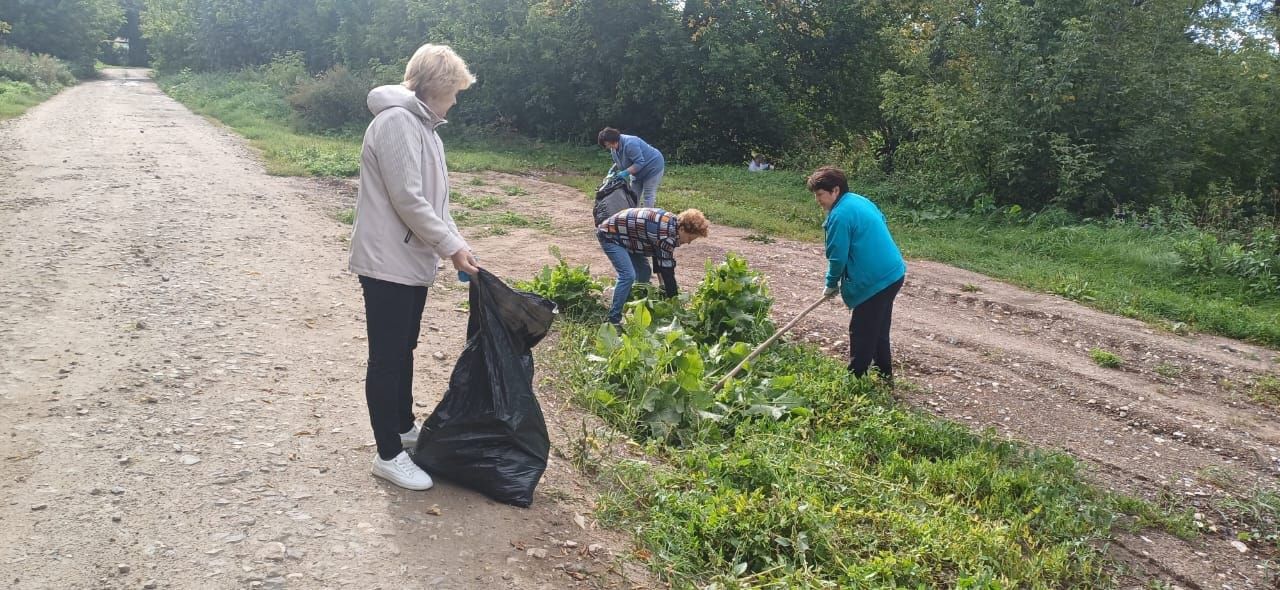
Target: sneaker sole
<point>415,488</point>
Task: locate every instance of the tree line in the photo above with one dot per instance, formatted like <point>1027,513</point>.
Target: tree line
<point>71,30</point>
<point>1092,106</point>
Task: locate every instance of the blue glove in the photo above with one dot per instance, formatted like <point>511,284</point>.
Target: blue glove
<point>622,174</point>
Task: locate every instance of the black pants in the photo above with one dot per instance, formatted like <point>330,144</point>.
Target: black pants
<point>869,333</point>
<point>393,315</point>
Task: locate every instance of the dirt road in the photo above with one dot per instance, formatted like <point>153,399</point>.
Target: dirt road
<point>181,370</point>
<point>182,362</point>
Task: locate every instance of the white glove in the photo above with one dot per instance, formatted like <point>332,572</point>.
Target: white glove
<point>829,292</point>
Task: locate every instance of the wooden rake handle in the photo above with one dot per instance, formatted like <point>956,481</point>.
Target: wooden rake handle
<point>766,343</point>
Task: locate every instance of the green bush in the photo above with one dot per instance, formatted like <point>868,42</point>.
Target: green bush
<point>334,100</point>
<point>69,29</point>
<point>283,74</point>
<point>15,88</point>
<point>41,71</point>
<point>1105,359</point>
<point>1256,262</point>
<point>1199,255</point>
<point>235,98</point>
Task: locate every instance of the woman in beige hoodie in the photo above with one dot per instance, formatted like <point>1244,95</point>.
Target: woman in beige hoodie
<point>402,230</point>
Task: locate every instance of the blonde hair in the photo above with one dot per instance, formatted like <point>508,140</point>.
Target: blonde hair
<point>436,69</point>
<point>693,222</point>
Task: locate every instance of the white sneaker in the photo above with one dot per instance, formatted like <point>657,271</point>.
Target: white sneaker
<point>402,471</point>
<point>409,439</point>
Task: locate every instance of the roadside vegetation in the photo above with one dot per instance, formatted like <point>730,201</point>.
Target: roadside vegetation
<point>1205,269</point>
<point>27,79</point>
<point>47,46</point>
<point>70,30</point>
<point>797,475</point>
<point>1105,358</point>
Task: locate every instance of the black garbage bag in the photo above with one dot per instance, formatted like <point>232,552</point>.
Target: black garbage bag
<point>488,433</point>
<point>614,195</point>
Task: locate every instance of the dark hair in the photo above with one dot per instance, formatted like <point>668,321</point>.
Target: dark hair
<point>827,178</point>
<point>608,134</point>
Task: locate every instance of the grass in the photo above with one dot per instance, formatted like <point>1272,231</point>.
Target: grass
<point>17,97</point>
<point>856,492</point>
<point>494,230</point>
<point>1266,391</point>
<point>1225,478</point>
<point>28,79</point>
<point>1168,370</point>
<point>1259,517</point>
<point>500,219</point>
<point>1121,269</point>
<point>1105,359</point>
<point>478,202</point>
<point>258,112</point>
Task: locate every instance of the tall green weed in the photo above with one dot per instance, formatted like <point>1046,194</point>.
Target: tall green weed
<point>1256,262</point>
<point>799,475</point>
<point>656,377</point>
<point>42,72</point>
<point>575,292</point>
<point>731,304</point>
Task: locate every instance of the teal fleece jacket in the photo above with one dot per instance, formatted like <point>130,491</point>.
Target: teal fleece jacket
<point>862,258</point>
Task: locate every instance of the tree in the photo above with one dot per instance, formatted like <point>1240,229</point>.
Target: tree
<point>1088,105</point>
<point>1085,104</point>
<point>69,29</point>
<point>132,30</point>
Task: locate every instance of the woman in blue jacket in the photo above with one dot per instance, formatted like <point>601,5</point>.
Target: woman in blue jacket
<point>864,265</point>
<point>636,160</point>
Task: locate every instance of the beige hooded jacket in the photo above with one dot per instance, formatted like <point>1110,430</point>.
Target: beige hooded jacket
<point>402,225</point>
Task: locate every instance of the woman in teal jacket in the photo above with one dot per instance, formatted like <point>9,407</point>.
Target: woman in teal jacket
<point>863,264</point>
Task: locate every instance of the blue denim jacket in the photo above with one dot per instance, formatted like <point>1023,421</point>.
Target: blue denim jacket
<point>633,151</point>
